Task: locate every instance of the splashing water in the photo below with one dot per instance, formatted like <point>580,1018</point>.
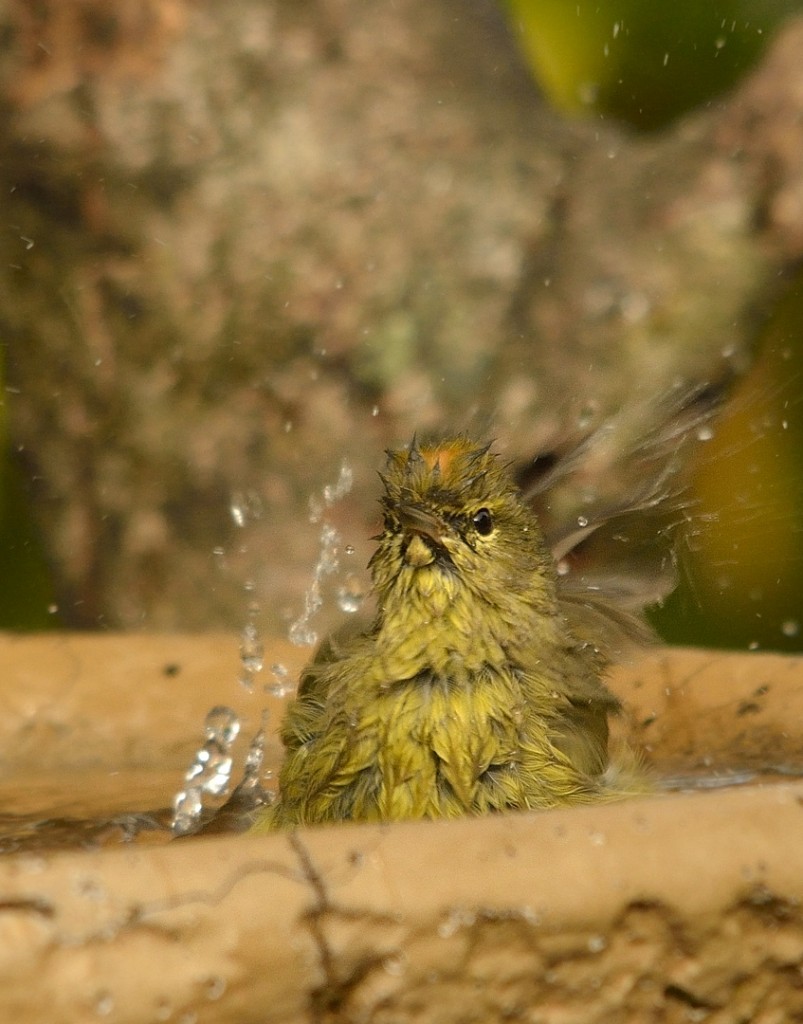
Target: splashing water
<point>249,794</point>
<point>345,481</point>
<point>208,779</point>
<point>245,506</point>
<point>187,808</point>
<point>351,594</point>
<point>256,753</point>
<point>282,685</point>
<point>209,775</point>
<point>301,632</point>
<point>254,772</point>
<point>252,650</point>
<point>331,493</point>
<point>222,726</point>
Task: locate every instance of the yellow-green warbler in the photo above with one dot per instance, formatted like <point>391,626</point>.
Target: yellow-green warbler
<point>469,693</point>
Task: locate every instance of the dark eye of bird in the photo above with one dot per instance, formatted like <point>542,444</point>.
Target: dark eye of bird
<point>483,523</point>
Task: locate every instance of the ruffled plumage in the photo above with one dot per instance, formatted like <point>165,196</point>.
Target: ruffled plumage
<point>469,693</point>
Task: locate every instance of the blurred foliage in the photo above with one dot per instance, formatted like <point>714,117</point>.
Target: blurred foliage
<point>643,63</point>
<point>741,552</point>
<point>27,589</point>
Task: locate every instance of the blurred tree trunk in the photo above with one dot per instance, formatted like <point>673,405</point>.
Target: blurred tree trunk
<point>246,240</point>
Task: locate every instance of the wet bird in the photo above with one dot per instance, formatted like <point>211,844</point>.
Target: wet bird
<point>470,693</point>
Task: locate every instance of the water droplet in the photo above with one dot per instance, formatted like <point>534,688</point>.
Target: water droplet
<point>256,751</point>
<point>282,685</point>
<point>237,510</point>
<point>582,521</point>
<point>210,771</point>
<point>301,632</point>
<point>302,635</point>
<point>753,645</point>
<point>222,726</point>
<point>328,562</point>
<point>705,432</point>
<point>719,42</point>
<point>245,505</point>
<point>315,510</point>
<point>349,549</point>
<point>279,671</point>
<point>375,410</point>
<point>596,943</point>
<point>351,594</point>
<point>187,807</point>
<point>344,483</point>
<point>791,627</point>
<point>52,609</point>
<point>252,650</point>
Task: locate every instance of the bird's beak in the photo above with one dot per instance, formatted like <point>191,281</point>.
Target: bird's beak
<point>415,519</point>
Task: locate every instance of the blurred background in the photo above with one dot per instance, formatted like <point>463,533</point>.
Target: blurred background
<point>247,249</point>
<point>741,558</point>
<point>646,67</point>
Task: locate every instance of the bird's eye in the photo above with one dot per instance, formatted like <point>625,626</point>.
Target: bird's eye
<point>483,523</point>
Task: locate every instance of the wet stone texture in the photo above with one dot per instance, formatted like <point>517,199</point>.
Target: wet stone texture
<point>681,906</point>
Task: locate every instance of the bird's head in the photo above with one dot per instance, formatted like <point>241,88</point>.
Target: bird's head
<point>456,524</point>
